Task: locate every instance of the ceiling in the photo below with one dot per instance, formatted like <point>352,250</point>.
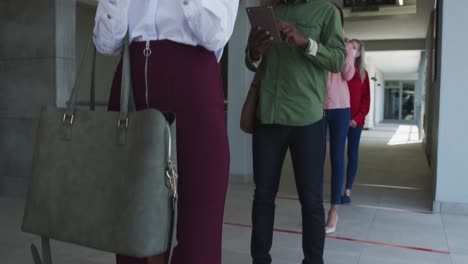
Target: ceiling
<point>397,27</point>
<point>395,63</point>
<point>410,23</point>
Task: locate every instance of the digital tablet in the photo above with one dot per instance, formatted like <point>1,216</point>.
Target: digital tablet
<point>264,17</point>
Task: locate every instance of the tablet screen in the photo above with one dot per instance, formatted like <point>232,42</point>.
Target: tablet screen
<point>264,17</point>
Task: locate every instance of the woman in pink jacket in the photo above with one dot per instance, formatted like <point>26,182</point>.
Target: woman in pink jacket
<point>337,115</point>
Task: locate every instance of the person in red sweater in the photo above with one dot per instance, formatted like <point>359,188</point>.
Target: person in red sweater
<point>359,91</point>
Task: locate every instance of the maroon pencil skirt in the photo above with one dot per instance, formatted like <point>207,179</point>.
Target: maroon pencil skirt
<point>186,80</point>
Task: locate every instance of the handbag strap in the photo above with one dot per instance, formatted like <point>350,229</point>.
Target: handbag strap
<point>126,85</point>
<point>173,236</point>
<point>92,92</point>
<point>71,103</point>
<point>172,177</point>
<point>46,252</point>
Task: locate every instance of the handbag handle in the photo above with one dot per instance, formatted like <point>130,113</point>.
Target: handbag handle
<point>126,83</point>
<point>72,101</point>
<point>126,86</point>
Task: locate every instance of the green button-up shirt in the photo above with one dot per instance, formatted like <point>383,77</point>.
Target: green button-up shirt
<point>293,81</point>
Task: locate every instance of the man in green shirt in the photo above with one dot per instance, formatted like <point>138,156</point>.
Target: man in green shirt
<point>290,116</point>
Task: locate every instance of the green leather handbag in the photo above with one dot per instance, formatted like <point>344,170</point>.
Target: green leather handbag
<point>104,180</point>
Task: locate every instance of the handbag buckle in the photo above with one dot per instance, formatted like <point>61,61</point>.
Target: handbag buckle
<point>68,119</point>
<point>171,174</point>
<point>122,123</point>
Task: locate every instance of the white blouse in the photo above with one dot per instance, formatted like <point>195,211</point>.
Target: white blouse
<point>207,23</point>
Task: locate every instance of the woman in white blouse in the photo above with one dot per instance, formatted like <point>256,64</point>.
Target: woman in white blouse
<point>175,49</point>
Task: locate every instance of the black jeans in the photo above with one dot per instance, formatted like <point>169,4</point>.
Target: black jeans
<point>307,147</point>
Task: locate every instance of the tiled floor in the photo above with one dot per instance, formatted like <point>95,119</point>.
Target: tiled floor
<point>389,221</point>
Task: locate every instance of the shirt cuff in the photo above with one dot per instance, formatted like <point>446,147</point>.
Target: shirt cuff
<point>312,48</point>
<point>254,63</point>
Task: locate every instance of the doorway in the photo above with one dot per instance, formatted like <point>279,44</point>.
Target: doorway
<point>399,100</point>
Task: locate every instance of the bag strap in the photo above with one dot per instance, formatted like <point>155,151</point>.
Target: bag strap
<point>126,86</point>
<point>92,103</point>
<point>71,103</point>
<point>172,177</point>
<point>126,81</point>
<point>173,236</point>
<point>46,252</point>
<point>92,93</point>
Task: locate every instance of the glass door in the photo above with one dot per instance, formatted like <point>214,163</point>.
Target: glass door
<point>392,103</point>
<point>399,100</point>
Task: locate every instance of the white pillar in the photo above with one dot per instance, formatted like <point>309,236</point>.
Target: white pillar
<point>452,136</point>
<point>238,84</point>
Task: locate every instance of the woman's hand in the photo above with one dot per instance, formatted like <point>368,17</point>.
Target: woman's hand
<point>290,33</point>
<point>352,124</point>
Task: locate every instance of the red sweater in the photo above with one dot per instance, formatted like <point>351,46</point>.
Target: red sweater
<point>359,92</point>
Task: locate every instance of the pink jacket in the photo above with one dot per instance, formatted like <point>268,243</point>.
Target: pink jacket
<point>337,94</point>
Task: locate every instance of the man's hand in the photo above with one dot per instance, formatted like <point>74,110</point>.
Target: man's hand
<point>290,34</point>
<point>353,124</point>
<point>259,41</point>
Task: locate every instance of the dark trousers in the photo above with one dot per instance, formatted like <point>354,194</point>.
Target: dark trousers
<point>354,138</point>
<point>338,125</point>
<point>307,147</point>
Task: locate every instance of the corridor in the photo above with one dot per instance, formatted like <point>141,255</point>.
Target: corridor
<point>388,222</point>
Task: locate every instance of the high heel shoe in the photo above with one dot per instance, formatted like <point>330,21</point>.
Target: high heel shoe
<point>329,230</point>
<point>345,199</point>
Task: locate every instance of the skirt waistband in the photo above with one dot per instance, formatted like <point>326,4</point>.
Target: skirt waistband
<point>169,46</point>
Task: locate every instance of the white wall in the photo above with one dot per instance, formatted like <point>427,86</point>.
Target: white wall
<point>379,99</point>
<point>376,113</point>
<point>419,102</point>
<point>452,165</point>
<point>238,84</point>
